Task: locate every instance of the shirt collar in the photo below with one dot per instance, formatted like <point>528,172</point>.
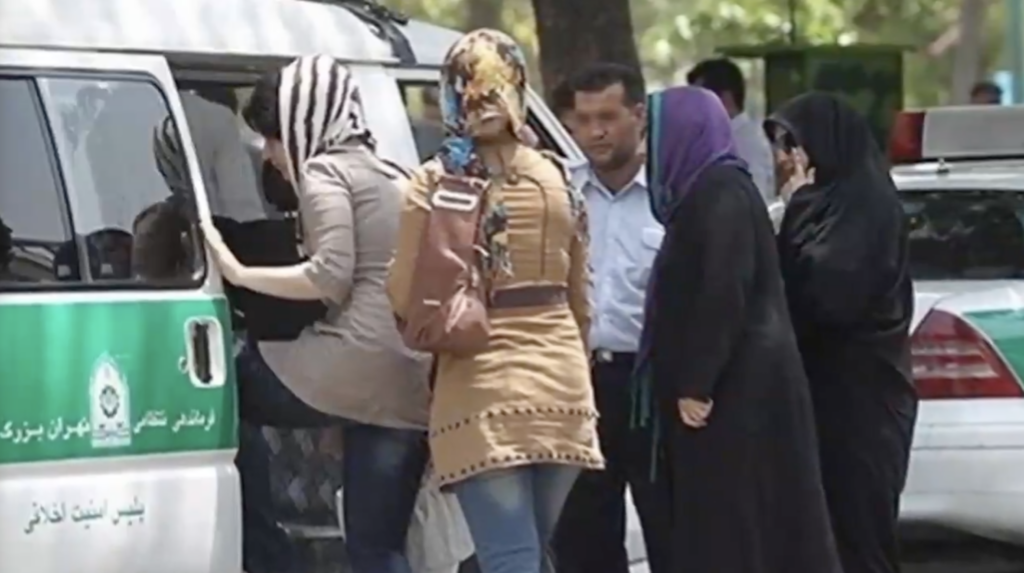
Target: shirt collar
<point>588,176</point>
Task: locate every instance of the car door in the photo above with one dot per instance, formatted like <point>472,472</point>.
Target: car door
<point>117,400</point>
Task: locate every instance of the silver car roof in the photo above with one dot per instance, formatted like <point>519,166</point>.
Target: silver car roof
<point>990,175</point>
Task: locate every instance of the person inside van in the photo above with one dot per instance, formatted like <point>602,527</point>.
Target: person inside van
<point>160,249</point>
<point>224,161</point>
<point>349,368</point>
<point>514,421</point>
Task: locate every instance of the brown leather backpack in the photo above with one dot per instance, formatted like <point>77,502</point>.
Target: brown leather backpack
<point>447,310</point>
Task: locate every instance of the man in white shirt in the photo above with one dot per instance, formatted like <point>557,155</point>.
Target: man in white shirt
<point>723,77</point>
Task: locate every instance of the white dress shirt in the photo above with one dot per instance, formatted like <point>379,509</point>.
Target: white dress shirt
<point>754,148</point>
<point>624,238</point>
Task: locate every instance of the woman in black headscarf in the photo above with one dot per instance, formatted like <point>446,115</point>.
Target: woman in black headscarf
<point>843,251</point>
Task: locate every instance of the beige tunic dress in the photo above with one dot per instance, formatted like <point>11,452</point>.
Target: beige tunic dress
<point>528,398</point>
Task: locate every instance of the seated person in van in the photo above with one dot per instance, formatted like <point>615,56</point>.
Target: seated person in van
<point>351,367</point>
<point>224,161</point>
<point>108,252</point>
<point>161,249</point>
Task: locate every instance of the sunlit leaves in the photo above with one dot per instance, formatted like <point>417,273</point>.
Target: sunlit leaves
<point>673,34</point>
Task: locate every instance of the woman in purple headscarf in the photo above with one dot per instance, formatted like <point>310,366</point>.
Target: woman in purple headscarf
<point>719,363</point>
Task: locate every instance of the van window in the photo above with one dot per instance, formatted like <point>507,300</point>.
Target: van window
<point>424,109</point>
<point>965,234</point>
<point>423,106</point>
<point>138,226</point>
<point>33,225</point>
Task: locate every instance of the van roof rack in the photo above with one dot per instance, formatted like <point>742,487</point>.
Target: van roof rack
<point>384,22</point>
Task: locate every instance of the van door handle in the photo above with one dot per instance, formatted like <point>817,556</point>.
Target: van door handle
<point>199,338</point>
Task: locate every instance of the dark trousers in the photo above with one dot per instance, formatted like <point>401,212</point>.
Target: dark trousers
<point>383,469</point>
<point>592,529</point>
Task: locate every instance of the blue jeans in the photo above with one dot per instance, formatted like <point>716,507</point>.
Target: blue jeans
<point>512,514</point>
<point>383,469</point>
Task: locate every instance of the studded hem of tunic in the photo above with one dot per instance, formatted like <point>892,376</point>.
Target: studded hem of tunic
<point>509,437</point>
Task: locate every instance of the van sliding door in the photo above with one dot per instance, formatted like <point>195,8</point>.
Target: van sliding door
<point>117,400</point>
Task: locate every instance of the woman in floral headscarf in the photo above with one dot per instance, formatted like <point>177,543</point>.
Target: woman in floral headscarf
<point>511,426</point>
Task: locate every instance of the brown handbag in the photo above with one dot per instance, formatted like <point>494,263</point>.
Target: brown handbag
<point>447,311</point>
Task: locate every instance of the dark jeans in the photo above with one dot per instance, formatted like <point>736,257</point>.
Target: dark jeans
<point>383,469</point>
<point>592,530</point>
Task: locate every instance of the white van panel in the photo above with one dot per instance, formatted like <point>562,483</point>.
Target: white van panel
<point>287,28</point>
<point>109,516</point>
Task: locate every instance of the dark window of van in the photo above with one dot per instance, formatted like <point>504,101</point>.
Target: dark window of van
<point>128,180</point>
<point>36,244</point>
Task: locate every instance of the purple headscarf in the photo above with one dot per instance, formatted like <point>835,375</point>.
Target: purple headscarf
<point>688,131</point>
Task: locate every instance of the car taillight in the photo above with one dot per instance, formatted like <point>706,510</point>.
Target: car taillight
<point>953,360</point>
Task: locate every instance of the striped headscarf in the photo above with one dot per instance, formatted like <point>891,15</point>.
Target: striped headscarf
<point>320,109</point>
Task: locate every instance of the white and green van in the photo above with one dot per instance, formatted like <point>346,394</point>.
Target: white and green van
<point>117,401</point>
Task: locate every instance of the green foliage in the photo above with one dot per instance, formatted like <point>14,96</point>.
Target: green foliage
<point>674,34</point>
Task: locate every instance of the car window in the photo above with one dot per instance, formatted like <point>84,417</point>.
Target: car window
<point>965,234</point>
<point>423,106</point>
<point>137,226</point>
<point>33,222</point>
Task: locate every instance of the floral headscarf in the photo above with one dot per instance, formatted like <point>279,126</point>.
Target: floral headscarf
<point>484,75</point>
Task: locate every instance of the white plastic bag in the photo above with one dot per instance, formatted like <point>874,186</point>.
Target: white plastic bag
<point>438,538</point>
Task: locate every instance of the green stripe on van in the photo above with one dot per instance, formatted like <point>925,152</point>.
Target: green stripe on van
<point>105,379</point>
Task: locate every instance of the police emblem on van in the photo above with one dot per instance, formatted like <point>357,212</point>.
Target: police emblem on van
<point>109,405</point>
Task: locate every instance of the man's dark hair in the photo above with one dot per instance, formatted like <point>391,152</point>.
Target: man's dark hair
<point>720,75</point>
<point>260,112</point>
<point>224,96</point>
<point>987,88</point>
<point>562,98</point>
<point>599,77</point>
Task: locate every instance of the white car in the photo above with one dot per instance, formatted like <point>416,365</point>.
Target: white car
<point>967,245</point>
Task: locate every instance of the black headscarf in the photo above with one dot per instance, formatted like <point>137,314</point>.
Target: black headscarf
<point>843,238</point>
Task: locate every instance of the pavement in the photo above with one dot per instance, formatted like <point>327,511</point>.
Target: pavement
<point>958,555</point>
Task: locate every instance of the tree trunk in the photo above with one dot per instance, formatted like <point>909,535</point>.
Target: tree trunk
<point>483,14</point>
<point>967,57</point>
<point>575,33</point>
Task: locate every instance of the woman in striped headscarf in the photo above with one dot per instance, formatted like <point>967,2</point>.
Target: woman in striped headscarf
<point>349,368</point>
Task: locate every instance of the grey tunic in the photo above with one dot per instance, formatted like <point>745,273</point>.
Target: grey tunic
<point>353,363</point>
